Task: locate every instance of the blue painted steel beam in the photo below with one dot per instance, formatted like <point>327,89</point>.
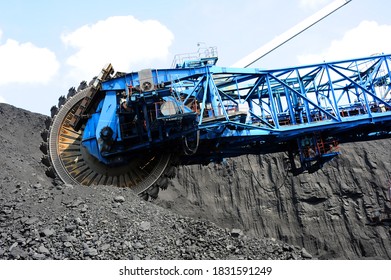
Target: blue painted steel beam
<point>264,104</point>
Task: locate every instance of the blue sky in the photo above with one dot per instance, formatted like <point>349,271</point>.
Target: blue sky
<point>48,46</point>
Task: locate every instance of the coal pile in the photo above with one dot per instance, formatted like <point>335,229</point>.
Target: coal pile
<point>68,222</point>
<point>40,219</point>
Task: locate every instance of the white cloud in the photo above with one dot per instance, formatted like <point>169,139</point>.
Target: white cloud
<point>2,99</point>
<point>123,41</point>
<point>312,4</point>
<point>26,63</point>
<point>366,39</point>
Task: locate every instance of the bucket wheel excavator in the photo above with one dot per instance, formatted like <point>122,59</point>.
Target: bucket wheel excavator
<point>129,129</point>
<point>73,163</point>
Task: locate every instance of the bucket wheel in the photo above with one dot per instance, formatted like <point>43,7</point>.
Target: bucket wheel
<point>74,165</point>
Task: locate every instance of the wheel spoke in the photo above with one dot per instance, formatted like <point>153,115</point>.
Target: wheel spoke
<point>74,165</point>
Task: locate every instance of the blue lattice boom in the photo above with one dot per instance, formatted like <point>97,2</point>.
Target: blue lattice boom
<point>205,113</point>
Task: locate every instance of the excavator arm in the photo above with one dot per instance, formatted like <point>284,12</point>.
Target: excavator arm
<point>207,113</point>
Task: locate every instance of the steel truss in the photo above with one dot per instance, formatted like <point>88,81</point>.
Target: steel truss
<point>270,109</point>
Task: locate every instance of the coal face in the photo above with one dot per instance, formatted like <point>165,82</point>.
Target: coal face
<point>41,220</point>
<point>341,211</point>
<point>249,207</point>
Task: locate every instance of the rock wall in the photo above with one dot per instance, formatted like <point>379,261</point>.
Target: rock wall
<point>329,212</point>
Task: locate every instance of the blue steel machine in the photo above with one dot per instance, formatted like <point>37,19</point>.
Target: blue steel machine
<point>128,129</point>
<point>125,129</point>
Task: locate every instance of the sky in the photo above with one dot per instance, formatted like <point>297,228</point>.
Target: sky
<point>48,46</point>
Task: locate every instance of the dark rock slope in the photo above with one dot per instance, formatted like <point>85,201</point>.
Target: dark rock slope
<point>330,212</point>
<point>19,137</point>
<point>40,220</point>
